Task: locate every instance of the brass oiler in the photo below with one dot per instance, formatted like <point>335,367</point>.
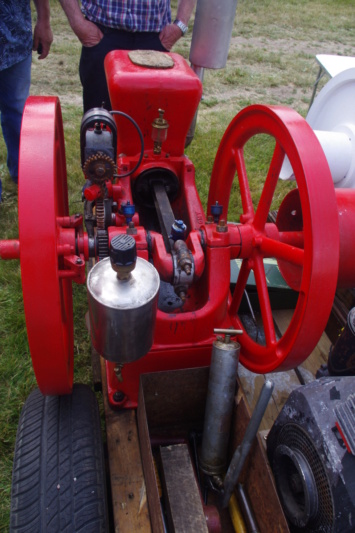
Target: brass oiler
<point>159,131</point>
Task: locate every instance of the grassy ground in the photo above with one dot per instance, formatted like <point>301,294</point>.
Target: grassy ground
<point>271,60</point>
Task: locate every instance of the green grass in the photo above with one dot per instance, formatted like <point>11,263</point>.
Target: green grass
<point>271,60</point>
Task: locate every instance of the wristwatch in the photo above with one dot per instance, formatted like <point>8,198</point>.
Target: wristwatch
<point>181,25</point>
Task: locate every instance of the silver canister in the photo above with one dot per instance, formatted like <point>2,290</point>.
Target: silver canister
<point>219,406</point>
<point>212,33</point>
<point>123,311</point>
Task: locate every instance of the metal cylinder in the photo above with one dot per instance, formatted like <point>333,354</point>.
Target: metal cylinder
<point>289,218</point>
<point>339,152</point>
<point>212,33</point>
<point>122,311</point>
<point>219,406</point>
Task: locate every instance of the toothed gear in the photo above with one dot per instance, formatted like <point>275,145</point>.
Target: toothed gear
<point>100,213</point>
<point>99,168</point>
<point>102,244</point>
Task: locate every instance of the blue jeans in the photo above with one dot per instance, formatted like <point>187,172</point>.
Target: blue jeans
<point>14,89</point>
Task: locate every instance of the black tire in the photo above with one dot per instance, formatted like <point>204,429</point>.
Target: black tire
<point>58,479</point>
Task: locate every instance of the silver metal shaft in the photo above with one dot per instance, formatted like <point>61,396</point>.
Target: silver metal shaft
<point>243,449</point>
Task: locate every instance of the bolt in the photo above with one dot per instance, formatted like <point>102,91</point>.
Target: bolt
<point>182,295</point>
<point>118,372</point>
<point>257,241</point>
<point>222,227</point>
<point>118,396</point>
<point>78,261</point>
<point>131,495</point>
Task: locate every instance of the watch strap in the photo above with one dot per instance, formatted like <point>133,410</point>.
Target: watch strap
<point>181,25</point>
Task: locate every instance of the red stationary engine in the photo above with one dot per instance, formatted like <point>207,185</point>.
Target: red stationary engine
<point>146,227</point>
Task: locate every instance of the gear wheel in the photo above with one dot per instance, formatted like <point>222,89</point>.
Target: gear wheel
<point>102,244</point>
<point>99,168</point>
<point>100,213</point>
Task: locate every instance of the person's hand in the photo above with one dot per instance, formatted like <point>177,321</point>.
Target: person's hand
<point>169,35</point>
<point>42,38</point>
<point>88,33</point>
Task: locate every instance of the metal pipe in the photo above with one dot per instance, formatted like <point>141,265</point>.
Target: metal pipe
<point>212,33</point>
<point>247,511</point>
<point>243,449</point>
<point>10,249</point>
<point>210,40</point>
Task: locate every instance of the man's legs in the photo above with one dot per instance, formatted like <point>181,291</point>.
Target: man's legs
<point>14,89</point>
<point>92,73</point>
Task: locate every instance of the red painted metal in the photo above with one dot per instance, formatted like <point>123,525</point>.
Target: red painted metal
<point>46,247</point>
<point>289,218</point>
<point>184,338</point>
<point>140,92</point>
<point>319,257</point>
<point>10,249</point>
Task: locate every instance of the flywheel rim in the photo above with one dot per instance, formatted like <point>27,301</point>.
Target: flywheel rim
<point>43,197</point>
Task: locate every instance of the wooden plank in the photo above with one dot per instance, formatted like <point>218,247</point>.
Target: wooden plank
<point>148,465</point>
<point>129,500</point>
<point>284,384</point>
<point>181,493</point>
<point>167,407</point>
<point>318,356</point>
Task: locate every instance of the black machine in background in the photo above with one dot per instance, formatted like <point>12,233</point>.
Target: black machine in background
<point>311,451</point>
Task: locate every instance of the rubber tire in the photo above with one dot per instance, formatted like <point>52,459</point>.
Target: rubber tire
<point>58,479</point>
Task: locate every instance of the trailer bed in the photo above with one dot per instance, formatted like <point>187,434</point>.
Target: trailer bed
<point>127,459</point>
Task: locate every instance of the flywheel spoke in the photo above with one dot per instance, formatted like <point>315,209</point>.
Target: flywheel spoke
<point>264,301</point>
<point>281,250</point>
<point>267,194</point>
<point>240,286</point>
<point>245,193</point>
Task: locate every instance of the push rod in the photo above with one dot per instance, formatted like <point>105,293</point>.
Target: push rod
<point>243,449</point>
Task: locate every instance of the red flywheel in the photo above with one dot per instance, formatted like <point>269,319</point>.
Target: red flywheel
<point>43,197</point>
<point>309,254</point>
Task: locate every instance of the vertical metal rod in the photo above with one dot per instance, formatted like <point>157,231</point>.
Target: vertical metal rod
<point>246,509</point>
<point>242,451</point>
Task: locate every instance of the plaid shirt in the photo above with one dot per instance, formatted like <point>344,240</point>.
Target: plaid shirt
<point>129,15</point>
<point>15,32</point>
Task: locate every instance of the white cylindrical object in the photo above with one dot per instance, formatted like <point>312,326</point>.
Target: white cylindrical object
<point>337,148</point>
<point>212,33</point>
